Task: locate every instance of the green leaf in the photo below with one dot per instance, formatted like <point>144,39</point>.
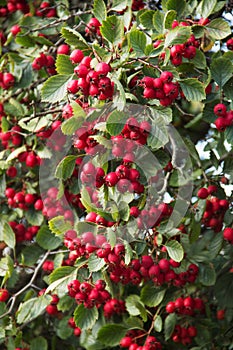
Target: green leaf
<point>135,306</point>
<point>175,250</point>
<point>32,308</point>
<point>207,274</point>
<point>178,35</point>
<point>55,88</point>
<point>228,89</point>
<point>218,29</point>
<point>115,122</point>
<point>34,217</point>
<point>176,5</point>
<point>31,254</point>
<point>64,65</point>
<point>111,334</point>
<point>119,99</point>
<point>158,324</point>
<point>85,318</point>
<point>152,296</point>
<point>199,60</point>
<point>99,10</point>
<point>138,42</point>
<point>169,18</point>
<point>158,21</point>
<point>158,136</point>
<point>193,89</point>
<point>229,134</point>
<point>112,30</point>
<point>95,264</point>
<point>146,19</point>
<point>58,225</point>
<point>39,343</point>
<point>221,70</point>
<point>25,40</point>
<point>207,7</point>
<point>66,167</point>
<point>62,330</point>
<point>9,236</point>
<point>119,5</point>
<point>74,38</point>
<point>70,125</point>
<point>46,239</point>
<point>169,325</point>
<point>60,277</point>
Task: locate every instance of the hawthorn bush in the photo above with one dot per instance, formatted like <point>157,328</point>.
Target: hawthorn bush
<point>116,166</point>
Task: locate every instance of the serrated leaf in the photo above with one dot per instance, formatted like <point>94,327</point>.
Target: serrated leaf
<point>55,88</point>
<point>9,236</point>
<point>193,89</point>
<point>74,38</point>
<point>39,343</point>
<point>70,125</point>
<point>207,7</point>
<point>99,10</point>
<point>221,70</point>
<point>95,264</point>
<point>64,65</point>
<point>176,5</point>
<point>34,217</point>
<point>218,29</point>
<point>115,122</point>
<point>152,296</point>
<point>158,20</point>
<point>111,334</point>
<point>61,272</point>
<point>60,277</point>
<point>178,35</point>
<point>175,250</point>
<point>158,324</point>
<point>146,19</point>
<point>229,134</point>
<point>85,318</point>
<point>32,308</point>
<point>46,239</point>
<point>169,18</point>
<point>112,30</point>
<point>119,99</point>
<point>135,306</point>
<point>207,274</point>
<point>169,325</point>
<point>59,226</point>
<point>66,167</point>
<point>199,60</point>
<point>138,42</point>
<point>119,5</point>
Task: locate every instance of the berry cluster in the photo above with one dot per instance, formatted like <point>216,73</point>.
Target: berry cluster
<point>13,6</point>
<point>225,118</point>
<point>46,10</point>
<point>186,306</point>
<point>83,139</point>
<point>153,216</point>
<point>48,266</point>
<point>53,207</point>
<point>215,210</point>
<point>95,295</point>
<point>11,137</point>
<point>133,339</point>
<point>91,82</point>
<point>52,309</point>
<point>93,27</point>
<point>44,61</point>
<point>7,80</point>
<point>22,200</point>
<point>23,232</point>
<point>77,330</point>
<point>184,335</point>
<point>162,88</point>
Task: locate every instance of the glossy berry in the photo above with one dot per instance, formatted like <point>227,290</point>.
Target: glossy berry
<point>4,295</point>
<point>202,193</point>
<point>111,179</point>
<point>76,56</point>
<point>228,234</point>
<point>220,110</point>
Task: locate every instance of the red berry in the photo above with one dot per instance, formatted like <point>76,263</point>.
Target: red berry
<point>166,77</point>
<point>102,68</point>
<point>202,193</point>
<point>76,56</point>
<point>111,179</point>
<point>228,234</point>
<point>230,44</point>
<point>52,310</point>
<point>15,29</point>
<point>221,124</point>
<point>221,314</point>
<point>77,331</point>
<point>4,295</point>
<point>63,49</point>
<point>220,110</point>
<point>126,342</point>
